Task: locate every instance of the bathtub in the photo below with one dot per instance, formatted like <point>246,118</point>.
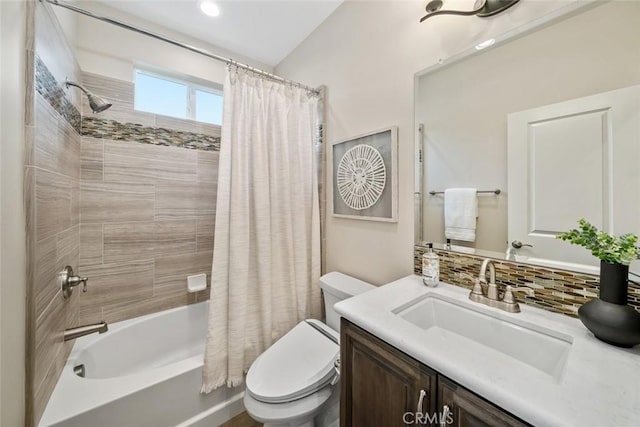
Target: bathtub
<point>145,371</point>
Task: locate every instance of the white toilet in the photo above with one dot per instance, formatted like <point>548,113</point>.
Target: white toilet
<point>294,380</point>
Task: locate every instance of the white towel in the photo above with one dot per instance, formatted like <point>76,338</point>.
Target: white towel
<point>460,213</point>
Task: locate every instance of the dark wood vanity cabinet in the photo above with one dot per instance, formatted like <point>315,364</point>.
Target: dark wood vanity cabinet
<point>470,410</point>
<point>381,386</point>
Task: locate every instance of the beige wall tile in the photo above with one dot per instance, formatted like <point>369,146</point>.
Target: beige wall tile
<point>118,90</point>
<point>90,244</point>
<point>136,162</point>
<point>91,159</point>
<point>205,230</point>
<point>68,249</point>
<point>53,203</point>
<point>46,145</point>
<point>46,273</point>
<point>90,302</point>
<point>119,282</point>
<point>120,112</point>
<point>213,130</point>
<point>174,123</point>
<point>181,201</point>
<point>208,166</point>
<point>67,156</point>
<point>128,310</point>
<point>116,202</point>
<point>75,202</point>
<point>203,295</point>
<point>48,337</point>
<point>171,272</point>
<point>135,240</point>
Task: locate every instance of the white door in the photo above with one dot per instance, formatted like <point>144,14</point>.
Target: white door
<point>571,160</point>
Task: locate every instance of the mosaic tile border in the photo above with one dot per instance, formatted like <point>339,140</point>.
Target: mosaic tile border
<point>559,291</point>
<point>111,129</point>
<point>47,86</point>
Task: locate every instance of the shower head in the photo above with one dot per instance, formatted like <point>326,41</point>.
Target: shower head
<point>96,103</point>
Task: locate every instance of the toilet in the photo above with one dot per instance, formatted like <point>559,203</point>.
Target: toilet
<point>294,382</point>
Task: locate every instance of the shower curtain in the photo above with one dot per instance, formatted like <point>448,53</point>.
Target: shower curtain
<point>266,257</point>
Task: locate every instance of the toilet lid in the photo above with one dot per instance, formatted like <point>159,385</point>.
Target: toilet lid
<point>295,366</point>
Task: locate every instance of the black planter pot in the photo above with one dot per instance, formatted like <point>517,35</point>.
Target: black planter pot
<point>610,318</point>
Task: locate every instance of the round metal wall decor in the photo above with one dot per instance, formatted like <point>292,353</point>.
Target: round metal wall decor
<point>361,177</point>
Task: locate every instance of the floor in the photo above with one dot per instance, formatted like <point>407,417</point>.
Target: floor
<point>242,420</point>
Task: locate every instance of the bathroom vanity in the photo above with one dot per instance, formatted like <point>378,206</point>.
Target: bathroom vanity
<point>408,349</point>
<point>383,386</point>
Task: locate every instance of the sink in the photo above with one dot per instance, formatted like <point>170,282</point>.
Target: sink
<point>542,349</point>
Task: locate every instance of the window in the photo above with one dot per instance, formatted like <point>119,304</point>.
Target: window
<point>177,98</point>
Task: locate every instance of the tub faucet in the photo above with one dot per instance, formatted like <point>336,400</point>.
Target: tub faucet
<point>81,331</point>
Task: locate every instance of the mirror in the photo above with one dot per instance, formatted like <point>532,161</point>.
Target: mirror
<point>463,107</point>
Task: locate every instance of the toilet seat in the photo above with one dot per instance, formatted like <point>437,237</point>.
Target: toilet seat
<point>297,365</point>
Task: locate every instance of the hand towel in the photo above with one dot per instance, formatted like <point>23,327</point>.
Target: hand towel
<point>460,213</point>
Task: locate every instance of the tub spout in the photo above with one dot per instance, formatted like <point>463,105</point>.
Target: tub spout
<point>80,331</point>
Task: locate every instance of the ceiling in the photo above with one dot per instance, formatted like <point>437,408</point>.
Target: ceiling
<point>263,30</point>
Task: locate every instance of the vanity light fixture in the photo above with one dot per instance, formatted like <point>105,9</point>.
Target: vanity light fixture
<point>485,44</point>
<point>209,8</point>
<point>482,8</point>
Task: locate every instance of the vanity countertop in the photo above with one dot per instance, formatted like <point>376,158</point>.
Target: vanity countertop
<point>599,385</point>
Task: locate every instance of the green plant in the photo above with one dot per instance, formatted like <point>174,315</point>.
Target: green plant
<point>616,249</point>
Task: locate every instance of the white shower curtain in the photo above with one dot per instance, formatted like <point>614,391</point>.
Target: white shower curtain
<point>266,257</point>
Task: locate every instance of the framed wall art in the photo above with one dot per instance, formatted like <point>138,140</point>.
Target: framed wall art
<point>365,176</point>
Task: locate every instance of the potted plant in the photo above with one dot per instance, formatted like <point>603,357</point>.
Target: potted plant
<point>609,317</point>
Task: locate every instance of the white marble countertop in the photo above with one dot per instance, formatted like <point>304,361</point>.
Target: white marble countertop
<point>599,385</point>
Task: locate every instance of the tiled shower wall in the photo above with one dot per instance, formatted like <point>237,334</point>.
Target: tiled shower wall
<point>559,291</point>
<point>52,190</point>
<point>147,206</point>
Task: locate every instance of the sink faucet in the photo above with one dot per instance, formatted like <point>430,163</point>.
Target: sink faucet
<point>489,295</point>
<point>80,331</point>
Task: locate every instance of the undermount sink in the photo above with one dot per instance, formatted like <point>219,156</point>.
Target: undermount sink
<point>544,350</point>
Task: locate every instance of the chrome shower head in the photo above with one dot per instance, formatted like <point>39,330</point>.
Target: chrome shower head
<point>96,103</point>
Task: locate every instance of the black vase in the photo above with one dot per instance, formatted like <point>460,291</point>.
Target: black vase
<point>610,318</point>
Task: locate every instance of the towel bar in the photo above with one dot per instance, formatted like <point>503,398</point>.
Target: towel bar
<point>496,191</point>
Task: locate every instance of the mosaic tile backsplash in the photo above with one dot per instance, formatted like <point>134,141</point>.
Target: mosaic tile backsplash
<point>96,127</point>
<point>559,291</point>
<point>47,86</point>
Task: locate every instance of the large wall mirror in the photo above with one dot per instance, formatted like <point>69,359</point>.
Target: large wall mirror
<point>539,116</point>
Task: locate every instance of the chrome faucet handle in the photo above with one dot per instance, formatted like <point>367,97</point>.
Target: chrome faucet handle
<point>68,281</point>
<point>508,293</point>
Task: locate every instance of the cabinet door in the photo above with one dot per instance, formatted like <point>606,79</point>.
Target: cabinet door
<point>459,407</point>
<point>380,386</point>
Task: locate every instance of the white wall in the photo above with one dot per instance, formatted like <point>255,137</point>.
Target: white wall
<point>12,226</point>
<point>367,54</point>
<point>113,52</point>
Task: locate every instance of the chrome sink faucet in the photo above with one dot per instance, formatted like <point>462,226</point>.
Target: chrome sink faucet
<point>487,292</point>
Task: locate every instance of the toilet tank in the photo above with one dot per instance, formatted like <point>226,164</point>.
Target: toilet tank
<point>337,287</point>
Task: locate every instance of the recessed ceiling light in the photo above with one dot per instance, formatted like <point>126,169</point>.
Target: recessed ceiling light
<point>485,44</point>
<point>209,8</point>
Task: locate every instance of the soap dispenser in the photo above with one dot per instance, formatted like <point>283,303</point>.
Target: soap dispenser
<point>430,267</point>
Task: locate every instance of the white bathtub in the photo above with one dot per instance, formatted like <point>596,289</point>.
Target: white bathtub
<point>143,372</point>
